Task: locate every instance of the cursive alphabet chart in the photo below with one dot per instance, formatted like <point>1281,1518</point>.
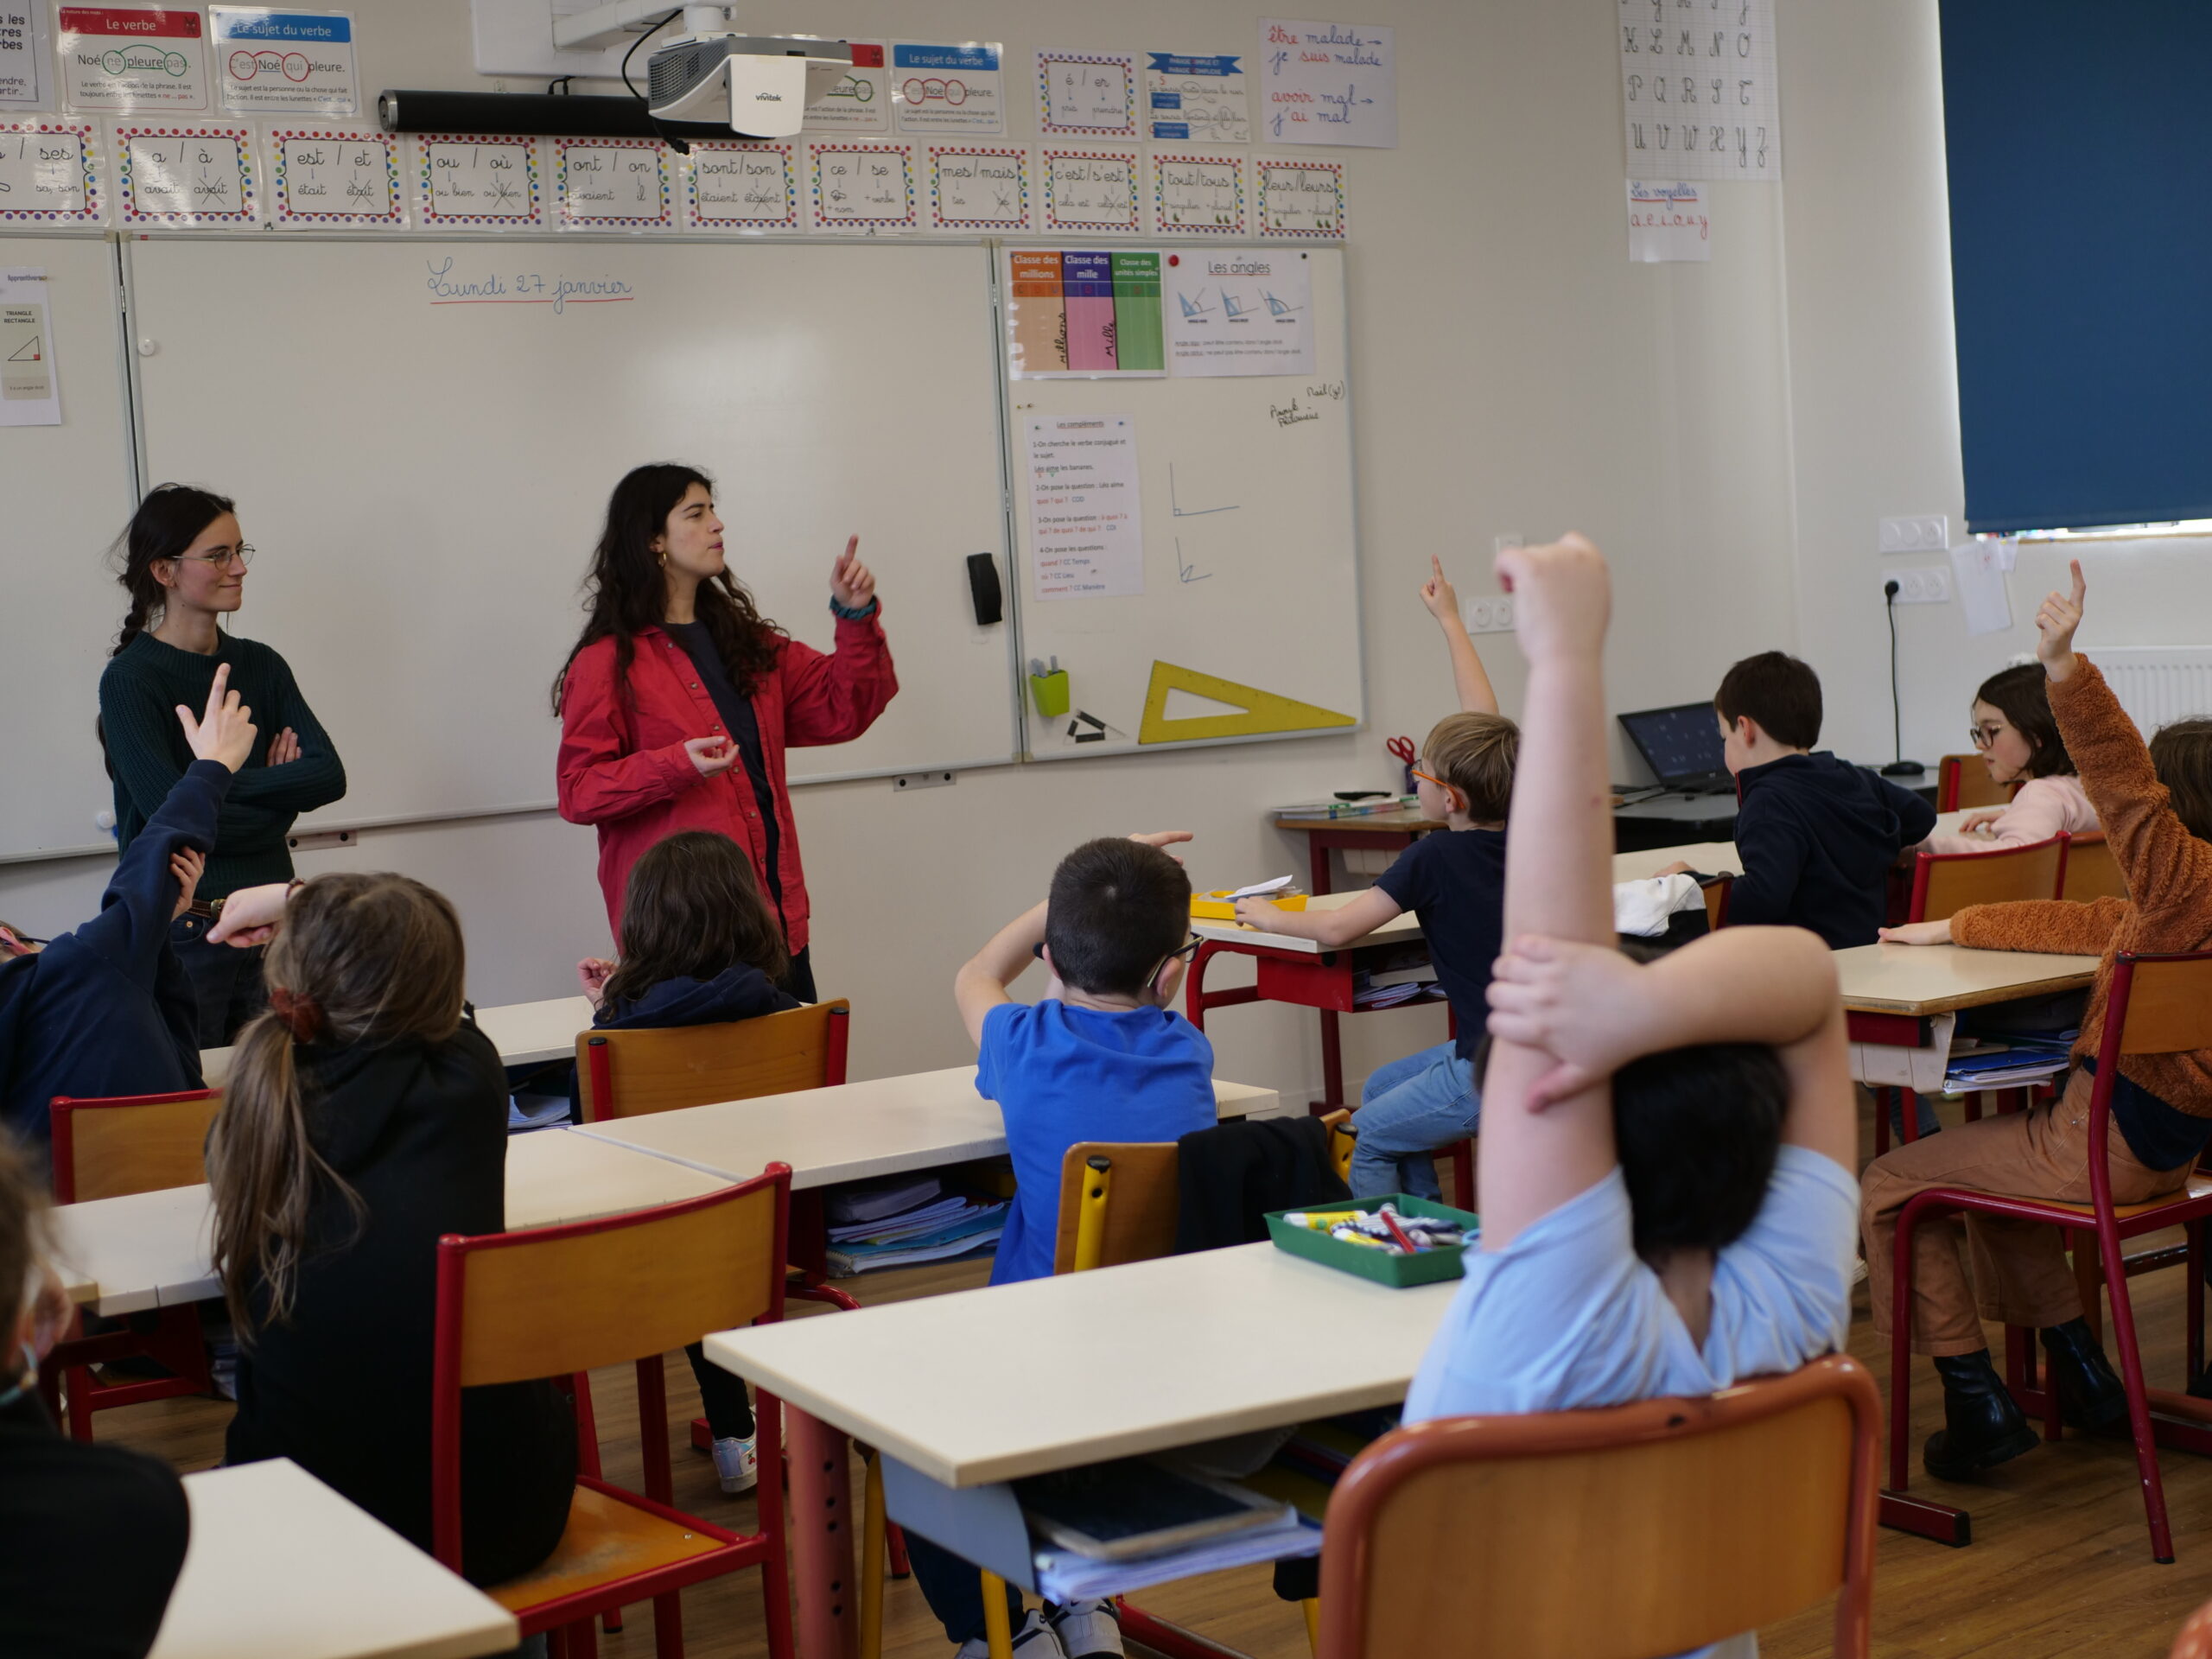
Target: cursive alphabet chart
<point>1698,89</point>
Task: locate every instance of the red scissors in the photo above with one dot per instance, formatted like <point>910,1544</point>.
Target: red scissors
<point>1403,751</point>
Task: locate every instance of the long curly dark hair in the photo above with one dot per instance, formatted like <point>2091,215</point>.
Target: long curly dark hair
<point>627,593</point>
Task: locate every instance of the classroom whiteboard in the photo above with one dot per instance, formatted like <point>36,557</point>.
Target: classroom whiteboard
<point>422,435</point>
<point>1250,596</point>
<point>65,492</point>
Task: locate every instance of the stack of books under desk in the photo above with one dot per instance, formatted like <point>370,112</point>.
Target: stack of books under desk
<point>903,1220</point>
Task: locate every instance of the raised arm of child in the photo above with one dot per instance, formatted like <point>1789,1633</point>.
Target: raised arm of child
<point>1540,1149</point>
<point>1468,678</point>
<point>1596,1011</point>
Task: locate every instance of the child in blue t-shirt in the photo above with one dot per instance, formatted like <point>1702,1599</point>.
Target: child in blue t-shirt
<point>1101,1058</point>
<point>1455,881</point>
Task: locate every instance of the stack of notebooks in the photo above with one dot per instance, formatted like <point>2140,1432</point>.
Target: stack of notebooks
<point>2022,1057</point>
<point>1326,810</point>
<point>901,1220</point>
<point>1388,976</point>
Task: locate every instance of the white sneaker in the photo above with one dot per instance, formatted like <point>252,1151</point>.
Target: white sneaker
<point>1035,1640</point>
<point>738,1464</point>
<point>1087,1629</point>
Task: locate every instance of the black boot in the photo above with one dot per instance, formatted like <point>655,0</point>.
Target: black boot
<point>2091,1396</point>
<point>1982,1426</point>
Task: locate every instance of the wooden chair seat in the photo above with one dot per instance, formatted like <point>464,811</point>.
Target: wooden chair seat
<point>2198,1190</point>
<point>610,1535</point>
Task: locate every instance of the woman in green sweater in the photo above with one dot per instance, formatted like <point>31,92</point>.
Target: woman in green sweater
<point>183,562</point>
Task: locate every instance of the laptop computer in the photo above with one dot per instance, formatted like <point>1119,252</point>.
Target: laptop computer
<point>1681,745</point>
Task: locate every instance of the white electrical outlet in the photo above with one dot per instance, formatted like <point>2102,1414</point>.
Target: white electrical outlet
<point>1488,615</point>
<point>1926,532</point>
<point>1930,587</point>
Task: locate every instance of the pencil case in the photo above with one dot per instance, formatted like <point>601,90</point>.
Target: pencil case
<point>1384,1269</point>
<point>1216,906</point>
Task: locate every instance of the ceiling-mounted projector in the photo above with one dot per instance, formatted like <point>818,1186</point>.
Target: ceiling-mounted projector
<point>710,72</point>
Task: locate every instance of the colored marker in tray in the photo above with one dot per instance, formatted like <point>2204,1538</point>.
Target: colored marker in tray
<point>1396,1240</point>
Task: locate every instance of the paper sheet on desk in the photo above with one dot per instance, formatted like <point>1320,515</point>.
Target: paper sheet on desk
<point>1979,570</point>
<point>1260,889</point>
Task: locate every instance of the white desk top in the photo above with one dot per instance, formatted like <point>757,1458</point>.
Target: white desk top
<point>1187,1348</point>
<point>1400,928</point>
<point>153,1250</point>
<point>1707,857</point>
<point>525,1033</point>
<point>280,1567</point>
<point>1938,978</point>
<point>852,1131</point>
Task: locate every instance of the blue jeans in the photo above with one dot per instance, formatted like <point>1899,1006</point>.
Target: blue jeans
<point>1409,1109</point>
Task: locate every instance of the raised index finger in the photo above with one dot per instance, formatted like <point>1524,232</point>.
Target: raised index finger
<point>2081,587</point>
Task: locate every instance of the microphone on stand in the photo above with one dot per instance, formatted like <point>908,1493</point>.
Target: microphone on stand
<point>1899,767</point>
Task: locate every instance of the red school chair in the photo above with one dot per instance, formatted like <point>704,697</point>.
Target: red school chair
<point>555,1302</point>
<point>2156,1004</point>
<point>1946,883</point>
<point>1962,781</point>
<point>111,1149</point>
<point>1701,1518</point>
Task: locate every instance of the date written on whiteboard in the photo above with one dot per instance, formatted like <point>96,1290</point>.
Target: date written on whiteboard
<point>448,286</point>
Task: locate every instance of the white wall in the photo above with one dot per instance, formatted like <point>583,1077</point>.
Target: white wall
<point>1729,432</point>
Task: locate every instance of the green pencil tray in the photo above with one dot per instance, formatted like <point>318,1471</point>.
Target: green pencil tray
<point>1395,1271</point>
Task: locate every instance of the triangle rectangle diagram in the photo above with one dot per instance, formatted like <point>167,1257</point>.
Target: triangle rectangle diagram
<point>31,351</point>
<point>1264,712</point>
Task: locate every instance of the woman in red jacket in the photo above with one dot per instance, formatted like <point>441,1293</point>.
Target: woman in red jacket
<point>680,698</point>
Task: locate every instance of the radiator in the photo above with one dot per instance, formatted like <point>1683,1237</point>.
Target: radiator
<point>2157,684</point>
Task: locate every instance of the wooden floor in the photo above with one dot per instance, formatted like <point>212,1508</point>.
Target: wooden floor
<point>2061,1567</point>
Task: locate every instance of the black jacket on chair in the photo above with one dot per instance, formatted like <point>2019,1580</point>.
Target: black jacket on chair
<point>1229,1177</point>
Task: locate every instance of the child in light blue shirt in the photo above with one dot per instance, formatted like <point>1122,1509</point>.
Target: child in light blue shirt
<point>1665,1186</point>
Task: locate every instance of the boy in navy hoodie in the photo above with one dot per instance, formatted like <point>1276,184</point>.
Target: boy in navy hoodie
<point>699,947</point>
<point>107,1009</point>
<point>1817,835</point>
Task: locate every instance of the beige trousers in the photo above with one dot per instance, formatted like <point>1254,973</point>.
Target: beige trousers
<point>2019,1266</point>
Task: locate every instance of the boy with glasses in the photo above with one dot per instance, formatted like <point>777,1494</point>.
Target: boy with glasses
<point>1103,1056</point>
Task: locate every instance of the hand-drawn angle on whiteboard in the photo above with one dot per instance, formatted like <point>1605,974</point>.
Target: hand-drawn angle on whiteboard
<point>1264,712</point>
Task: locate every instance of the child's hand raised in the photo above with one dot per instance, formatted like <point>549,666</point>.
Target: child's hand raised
<point>1577,1002</point>
<point>1441,598</point>
<point>2055,625</point>
<point>1562,596</point>
<point>224,730</point>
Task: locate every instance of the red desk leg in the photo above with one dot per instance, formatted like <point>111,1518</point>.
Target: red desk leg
<point>1317,849</point>
<point>822,1539</point>
<point>1333,1064</point>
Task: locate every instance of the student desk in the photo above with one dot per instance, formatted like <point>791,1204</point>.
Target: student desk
<point>525,1033</point>
<point>849,1132</point>
<point>1259,1339</point>
<point>1902,1001</point>
<point>1293,970</point>
<point>280,1567</point>
<point>153,1249</point>
<point>1384,832</point>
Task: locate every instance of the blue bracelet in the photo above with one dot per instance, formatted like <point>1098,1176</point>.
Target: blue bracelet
<point>849,613</point>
